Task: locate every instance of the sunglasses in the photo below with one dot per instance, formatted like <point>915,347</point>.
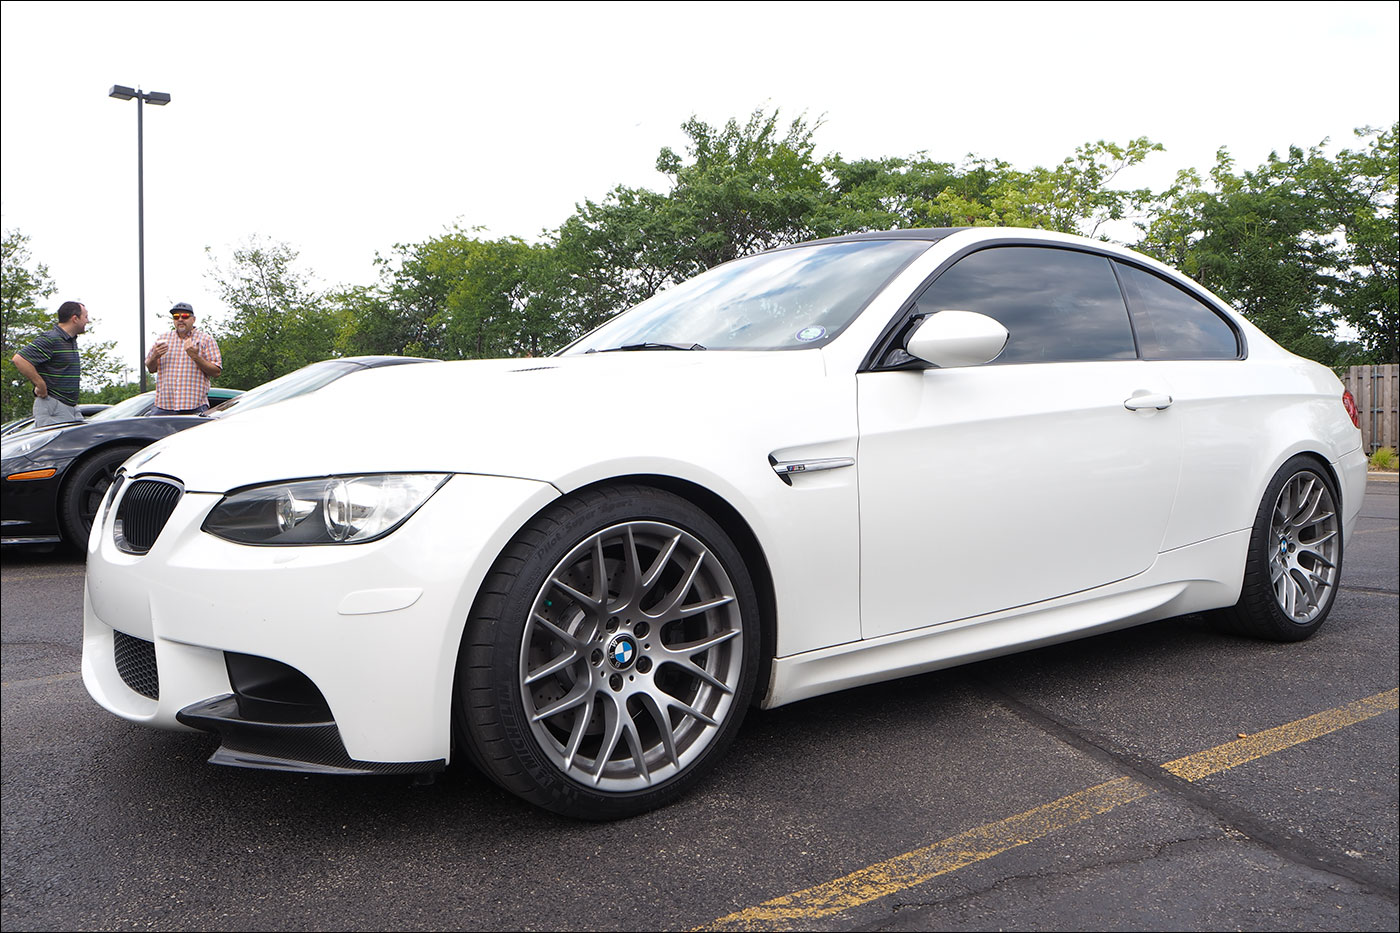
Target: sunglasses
<point>182,315</point>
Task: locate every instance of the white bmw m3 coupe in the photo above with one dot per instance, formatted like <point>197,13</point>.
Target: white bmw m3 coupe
<point>822,466</point>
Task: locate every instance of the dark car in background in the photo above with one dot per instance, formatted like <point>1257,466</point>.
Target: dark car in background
<point>87,410</point>
<point>54,478</point>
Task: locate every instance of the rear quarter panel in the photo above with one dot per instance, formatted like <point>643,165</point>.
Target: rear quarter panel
<point>1241,420</point>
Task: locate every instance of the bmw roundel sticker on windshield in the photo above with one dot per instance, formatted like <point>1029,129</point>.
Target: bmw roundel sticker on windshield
<point>811,333</point>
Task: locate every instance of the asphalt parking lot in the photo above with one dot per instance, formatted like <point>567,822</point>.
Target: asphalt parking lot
<point>1164,777</point>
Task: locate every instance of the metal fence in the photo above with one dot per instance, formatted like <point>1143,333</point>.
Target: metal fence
<point>1375,391</point>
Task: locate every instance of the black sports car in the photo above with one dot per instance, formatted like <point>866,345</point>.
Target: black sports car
<point>86,409</point>
<point>55,477</point>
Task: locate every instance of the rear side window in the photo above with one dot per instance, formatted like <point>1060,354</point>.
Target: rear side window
<point>1059,305</point>
<point>1173,324</point>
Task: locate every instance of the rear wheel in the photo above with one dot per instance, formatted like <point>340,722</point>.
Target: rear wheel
<point>82,495</point>
<point>611,655</point>
<point>1295,557</point>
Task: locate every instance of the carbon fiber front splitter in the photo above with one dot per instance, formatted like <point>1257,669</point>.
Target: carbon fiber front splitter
<point>306,747</point>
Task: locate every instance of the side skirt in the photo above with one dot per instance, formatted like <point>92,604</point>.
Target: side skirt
<point>1194,578</point>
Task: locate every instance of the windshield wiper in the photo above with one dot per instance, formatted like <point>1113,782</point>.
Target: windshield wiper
<point>649,346</point>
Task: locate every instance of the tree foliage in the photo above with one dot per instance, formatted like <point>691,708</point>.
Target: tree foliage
<point>1301,244</point>
<point>26,286</point>
<point>1298,245</point>
<point>279,322</point>
<point>1358,191</point>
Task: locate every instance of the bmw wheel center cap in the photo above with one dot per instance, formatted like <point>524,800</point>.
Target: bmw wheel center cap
<point>622,652</point>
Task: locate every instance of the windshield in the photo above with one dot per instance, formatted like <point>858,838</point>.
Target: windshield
<point>306,379</point>
<point>134,407</point>
<point>791,298</point>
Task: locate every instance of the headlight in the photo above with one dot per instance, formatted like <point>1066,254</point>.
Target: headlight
<point>331,510</point>
<point>26,443</point>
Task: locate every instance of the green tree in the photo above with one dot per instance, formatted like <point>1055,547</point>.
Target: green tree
<point>888,193</point>
<point>24,284</point>
<point>745,188</point>
<point>493,308</point>
<point>1297,245</point>
<point>738,189</point>
<point>611,255</point>
<point>457,296</point>
<point>112,393</point>
<point>1357,192</point>
<point>279,322</point>
<point>1075,196</point>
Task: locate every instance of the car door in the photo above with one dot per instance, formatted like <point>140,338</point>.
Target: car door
<point>988,487</point>
<point>1223,405</point>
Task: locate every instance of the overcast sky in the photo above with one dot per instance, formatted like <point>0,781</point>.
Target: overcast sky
<point>344,128</point>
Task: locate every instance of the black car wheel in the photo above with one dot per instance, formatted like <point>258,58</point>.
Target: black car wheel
<point>88,481</point>
<point>611,654</point>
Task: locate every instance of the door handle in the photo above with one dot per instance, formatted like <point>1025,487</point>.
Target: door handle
<point>1158,401</point>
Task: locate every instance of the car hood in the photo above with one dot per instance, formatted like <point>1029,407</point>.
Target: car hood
<point>563,420</point>
<point>61,443</point>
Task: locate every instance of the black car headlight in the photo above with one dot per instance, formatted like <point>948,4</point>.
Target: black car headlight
<point>21,445</point>
<point>329,510</point>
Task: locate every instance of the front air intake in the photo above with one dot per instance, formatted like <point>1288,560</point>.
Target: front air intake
<point>136,662</point>
<point>143,512</point>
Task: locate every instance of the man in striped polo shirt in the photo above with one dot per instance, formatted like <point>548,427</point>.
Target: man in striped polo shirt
<point>51,362</point>
<point>186,359</point>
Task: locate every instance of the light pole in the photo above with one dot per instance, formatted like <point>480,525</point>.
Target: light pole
<point>160,100</point>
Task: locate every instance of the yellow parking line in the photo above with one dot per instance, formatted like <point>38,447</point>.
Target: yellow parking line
<point>882,879</point>
<point>1223,757</point>
<point>914,868</point>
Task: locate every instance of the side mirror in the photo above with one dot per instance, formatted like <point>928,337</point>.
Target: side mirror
<point>957,338</point>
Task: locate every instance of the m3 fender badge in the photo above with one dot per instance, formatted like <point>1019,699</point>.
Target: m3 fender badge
<point>788,467</point>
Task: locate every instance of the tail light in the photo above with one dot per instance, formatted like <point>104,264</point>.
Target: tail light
<point>1349,404</point>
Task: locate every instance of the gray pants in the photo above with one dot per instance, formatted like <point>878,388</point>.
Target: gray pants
<point>50,410</point>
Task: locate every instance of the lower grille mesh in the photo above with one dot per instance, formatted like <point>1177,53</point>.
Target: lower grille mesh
<point>136,662</point>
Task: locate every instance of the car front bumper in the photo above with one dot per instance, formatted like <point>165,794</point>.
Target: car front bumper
<point>375,627</point>
<point>29,507</point>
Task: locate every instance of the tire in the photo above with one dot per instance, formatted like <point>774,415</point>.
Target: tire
<point>1295,557</point>
<point>601,696</point>
<point>84,489</point>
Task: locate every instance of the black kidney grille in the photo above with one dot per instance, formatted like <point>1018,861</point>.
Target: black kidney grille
<point>136,662</point>
<point>143,512</point>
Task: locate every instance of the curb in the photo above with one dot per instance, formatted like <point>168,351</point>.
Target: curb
<point>1374,477</point>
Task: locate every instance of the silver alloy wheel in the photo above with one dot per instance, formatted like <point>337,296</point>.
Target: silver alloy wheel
<point>1304,547</point>
<point>631,656</point>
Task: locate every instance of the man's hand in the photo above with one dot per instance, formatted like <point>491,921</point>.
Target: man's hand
<point>153,358</point>
<point>27,370</point>
<point>191,349</point>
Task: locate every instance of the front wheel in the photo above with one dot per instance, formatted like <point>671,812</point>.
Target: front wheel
<point>84,490</point>
<point>611,654</point>
<point>1295,557</point>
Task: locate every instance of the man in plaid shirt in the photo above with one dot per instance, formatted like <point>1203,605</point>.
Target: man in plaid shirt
<point>186,359</point>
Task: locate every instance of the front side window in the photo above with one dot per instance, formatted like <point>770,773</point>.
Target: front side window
<point>787,299</point>
<point>1173,324</point>
<point>1059,305</point>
